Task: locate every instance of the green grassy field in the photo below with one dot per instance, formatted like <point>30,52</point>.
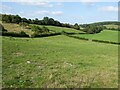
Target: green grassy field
<point>61,29</point>
<point>58,61</point>
<point>105,35</point>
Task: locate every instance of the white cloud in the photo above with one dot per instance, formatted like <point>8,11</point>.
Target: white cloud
<point>45,12</point>
<point>109,8</point>
<point>42,4</point>
<point>57,12</point>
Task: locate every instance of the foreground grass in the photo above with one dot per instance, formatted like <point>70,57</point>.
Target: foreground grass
<point>105,35</point>
<point>58,61</point>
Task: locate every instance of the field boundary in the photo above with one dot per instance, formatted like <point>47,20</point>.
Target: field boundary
<point>93,40</point>
<point>60,33</point>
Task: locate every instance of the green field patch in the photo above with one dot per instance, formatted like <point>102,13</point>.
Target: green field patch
<point>105,35</point>
<point>58,61</point>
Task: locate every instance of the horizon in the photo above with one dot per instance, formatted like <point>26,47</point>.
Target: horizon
<point>65,12</point>
<point>62,22</point>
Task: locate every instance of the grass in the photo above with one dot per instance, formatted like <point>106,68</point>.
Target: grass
<point>112,26</point>
<point>61,29</point>
<point>58,61</point>
<point>105,35</point>
<point>11,27</point>
<point>17,28</point>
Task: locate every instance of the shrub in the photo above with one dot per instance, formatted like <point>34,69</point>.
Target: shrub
<point>14,34</point>
<point>45,29</point>
<point>39,30</point>
<point>36,29</point>
<point>24,24</point>
<point>91,29</point>
<point>23,34</point>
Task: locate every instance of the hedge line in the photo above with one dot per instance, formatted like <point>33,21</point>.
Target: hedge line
<point>13,34</point>
<point>100,41</point>
<point>78,37</point>
<point>48,34</point>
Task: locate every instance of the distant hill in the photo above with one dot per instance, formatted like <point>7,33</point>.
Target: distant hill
<point>110,25</point>
<point>107,23</point>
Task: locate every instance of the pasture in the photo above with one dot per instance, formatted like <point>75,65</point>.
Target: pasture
<point>105,35</point>
<point>58,61</point>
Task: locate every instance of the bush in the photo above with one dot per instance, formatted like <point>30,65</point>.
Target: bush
<point>23,34</point>
<point>44,35</point>
<point>92,29</point>
<point>14,34</point>
<point>45,29</point>
<point>39,30</point>
<point>24,24</point>
<point>36,29</point>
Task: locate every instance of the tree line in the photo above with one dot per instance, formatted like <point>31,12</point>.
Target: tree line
<point>45,21</point>
<point>88,28</point>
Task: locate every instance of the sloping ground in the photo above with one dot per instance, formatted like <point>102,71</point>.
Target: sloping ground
<point>105,35</point>
<point>111,26</point>
<point>10,27</point>
<point>17,28</point>
<point>61,29</point>
<point>60,62</point>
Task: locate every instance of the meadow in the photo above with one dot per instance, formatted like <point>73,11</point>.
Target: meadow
<point>58,61</point>
<point>105,35</point>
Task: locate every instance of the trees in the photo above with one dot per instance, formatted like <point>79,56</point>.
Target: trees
<point>6,18</point>
<point>46,19</point>
<point>76,26</point>
<point>11,18</point>
<point>39,30</point>
<point>51,21</point>
<point>24,20</point>
<point>16,19</point>
<point>91,29</point>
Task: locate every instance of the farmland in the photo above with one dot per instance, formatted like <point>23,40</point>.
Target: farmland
<point>58,61</point>
<point>105,35</point>
<point>59,44</point>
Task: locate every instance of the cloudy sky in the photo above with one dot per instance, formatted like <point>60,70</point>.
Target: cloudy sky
<point>67,12</point>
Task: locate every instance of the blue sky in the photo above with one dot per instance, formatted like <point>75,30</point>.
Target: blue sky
<point>66,12</point>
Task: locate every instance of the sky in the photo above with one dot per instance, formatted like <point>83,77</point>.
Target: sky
<point>66,12</point>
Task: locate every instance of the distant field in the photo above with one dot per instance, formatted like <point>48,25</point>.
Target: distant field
<point>106,35</point>
<point>112,26</point>
<point>17,28</point>
<point>58,61</point>
<point>61,29</point>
